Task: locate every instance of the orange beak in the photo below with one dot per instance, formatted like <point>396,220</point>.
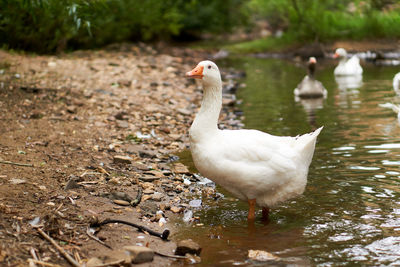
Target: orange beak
<point>196,73</point>
<point>335,55</point>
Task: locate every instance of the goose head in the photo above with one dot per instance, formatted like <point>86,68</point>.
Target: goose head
<point>340,53</point>
<point>207,71</point>
<point>312,62</point>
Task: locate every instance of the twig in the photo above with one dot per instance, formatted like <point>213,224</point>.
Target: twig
<point>170,256</point>
<point>16,163</point>
<point>60,249</point>
<point>44,263</point>
<point>33,253</point>
<point>164,235</point>
<point>96,239</point>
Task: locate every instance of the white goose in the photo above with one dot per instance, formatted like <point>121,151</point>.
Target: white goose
<point>396,83</point>
<point>254,166</point>
<point>347,66</point>
<point>309,87</point>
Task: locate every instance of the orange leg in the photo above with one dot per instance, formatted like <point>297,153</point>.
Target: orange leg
<point>252,206</point>
<point>265,213</point>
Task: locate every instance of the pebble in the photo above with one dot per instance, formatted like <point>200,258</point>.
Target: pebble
<point>187,216</point>
<point>187,246</point>
<point>260,255</point>
<point>195,203</point>
<point>148,191</point>
<point>92,262</point>
<point>122,159</point>
<point>139,254</point>
<point>179,168</point>
<point>148,178</point>
<point>121,202</point>
<point>192,259</point>
<point>176,209</point>
<point>157,196</point>
<point>71,184</point>
<point>122,124</point>
<point>17,181</point>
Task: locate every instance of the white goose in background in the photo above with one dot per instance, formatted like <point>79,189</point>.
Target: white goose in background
<point>309,87</point>
<point>347,66</point>
<point>254,166</point>
<point>396,83</point>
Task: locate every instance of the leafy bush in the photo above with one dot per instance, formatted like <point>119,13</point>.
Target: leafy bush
<point>51,25</point>
<point>309,20</point>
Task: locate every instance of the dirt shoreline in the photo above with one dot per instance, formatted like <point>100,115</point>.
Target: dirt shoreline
<point>97,122</point>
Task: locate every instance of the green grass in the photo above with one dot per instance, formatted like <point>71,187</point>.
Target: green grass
<point>328,27</point>
<point>270,44</point>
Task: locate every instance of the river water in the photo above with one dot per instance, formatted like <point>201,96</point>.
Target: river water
<point>350,211</point>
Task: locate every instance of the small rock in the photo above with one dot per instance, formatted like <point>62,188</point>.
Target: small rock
<point>17,181</point>
<point>72,183</point>
<point>185,112</point>
<point>195,203</point>
<point>114,181</point>
<point>192,259</point>
<point>176,209</point>
<point>122,159</point>
<point>260,255</point>
<point>122,124</point>
<point>180,168</point>
<point>188,215</point>
<point>187,246</point>
<point>72,109</point>
<point>147,154</point>
<point>148,191</point>
<point>92,262</point>
<point>157,196</point>
<point>140,166</point>
<point>121,202</point>
<point>148,178</point>
<point>139,254</point>
<point>126,83</point>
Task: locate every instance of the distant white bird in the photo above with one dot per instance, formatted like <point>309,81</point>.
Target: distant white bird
<point>396,83</point>
<point>347,66</point>
<point>395,108</point>
<point>309,87</point>
<point>254,166</point>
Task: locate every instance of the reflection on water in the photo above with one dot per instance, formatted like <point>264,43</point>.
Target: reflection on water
<point>311,105</point>
<point>350,211</point>
<point>348,81</point>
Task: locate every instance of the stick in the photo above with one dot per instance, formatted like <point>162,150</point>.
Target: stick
<point>96,239</point>
<point>60,249</point>
<point>170,256</point>
<point>164,235</point>
<point>16,163</point>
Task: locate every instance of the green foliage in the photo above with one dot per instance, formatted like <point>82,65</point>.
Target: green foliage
<point>51,25</point>
<point>309,20</point>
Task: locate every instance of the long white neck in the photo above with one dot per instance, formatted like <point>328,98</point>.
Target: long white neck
<point>343,60</point>
<point>207,118</point>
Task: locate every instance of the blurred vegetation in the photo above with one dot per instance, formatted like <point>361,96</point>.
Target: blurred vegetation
<point>304,21</point>
<point>55,25</point>
<point>47,26</point>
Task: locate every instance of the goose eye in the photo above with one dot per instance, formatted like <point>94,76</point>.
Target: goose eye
<point>209,66</point>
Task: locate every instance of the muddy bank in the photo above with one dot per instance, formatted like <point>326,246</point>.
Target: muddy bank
<point>87,136</point>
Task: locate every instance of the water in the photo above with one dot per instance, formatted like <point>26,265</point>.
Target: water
<point>350,211</point>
